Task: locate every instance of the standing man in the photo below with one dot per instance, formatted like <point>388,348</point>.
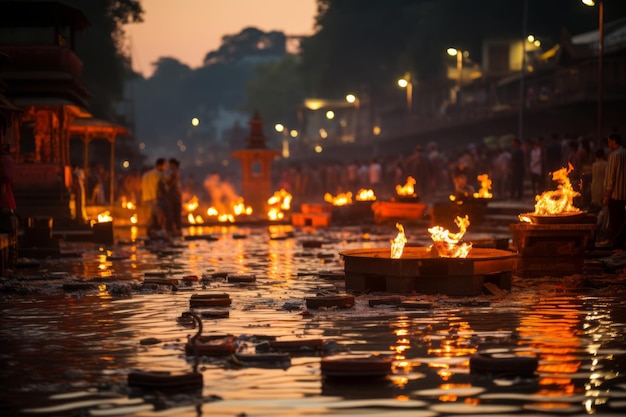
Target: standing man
<point>150,181</point>
<point>615,191</point>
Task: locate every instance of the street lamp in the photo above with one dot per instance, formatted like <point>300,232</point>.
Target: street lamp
<point>600,3</point>
<point>406,83</point>
<point>459,68</point>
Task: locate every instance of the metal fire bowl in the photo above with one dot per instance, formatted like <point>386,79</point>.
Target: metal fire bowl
<point>563,218</point>
<point>417,261</point>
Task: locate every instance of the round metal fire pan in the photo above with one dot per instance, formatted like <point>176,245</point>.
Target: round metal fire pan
<point>563,218</point>
<point>418,253</point>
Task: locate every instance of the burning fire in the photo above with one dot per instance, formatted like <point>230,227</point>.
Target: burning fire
<point>192,204</point>
<point>281,200</point>
<point>340,200</point>
<point>127,204</point>
<point>445,244</point>
<point>365,195</point>
<point>194,219</point>
<point>105,217</point>
<point>406,189</point>
<point>134,219</point>
<point>397,244</point>
<point>485,186</point>
<point>559,201</point>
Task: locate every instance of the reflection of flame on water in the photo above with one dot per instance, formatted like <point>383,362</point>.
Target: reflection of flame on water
<point>446,244</point>
<point>485,186</point>
<point>560,201</point>
<point>105,217</point>
<point>340,200</point>
<point>365,195</point>
<point>406,189</point>
<point>397,244</point>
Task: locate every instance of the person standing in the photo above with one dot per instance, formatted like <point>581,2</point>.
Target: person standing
<point>517,170</point>
<point>535,167</point>
<point>150,182</point>
<point>598,172</point>
<point>174,197</point>
<point>615,191</point>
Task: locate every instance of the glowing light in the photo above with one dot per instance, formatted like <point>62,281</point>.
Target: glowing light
<point>485,186</point>
<point>376,130</point>
<point>125,164</point>
<point>330,115</point>
<point>403,83</point>
<point>195,121</point>
<point>293,133</point>
<point>192,204</point>
<point>105,217</point>
<point>446,244</point>
<point>351,98</point>
<point>365,195</point>
<point>133,218</point>
<point>397,244</point>
<point>340,200</point>
<point>280,128</point>
<point>407,189</point>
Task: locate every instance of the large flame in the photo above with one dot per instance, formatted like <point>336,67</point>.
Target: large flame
<point>446,244</point>
<point>340,200</point>
<point>281,200</point>
<point>194,219</point>
<point>558,201</point>
<point>365,195</point>
<point>397,244</point>
<point>485,186</point>
<point>406,189</point>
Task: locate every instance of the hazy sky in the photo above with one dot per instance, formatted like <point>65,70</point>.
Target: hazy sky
<point>188,29</point>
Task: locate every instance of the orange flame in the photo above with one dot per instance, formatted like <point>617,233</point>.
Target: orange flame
<point>340,200</point>
<point>365,195</point>
<point>485,186</point>
<point>282,198</point>
<point>133,218</point>
<point>397,244</point>
<point>406,189</point>
<point>127,204</point>
<point>105,217</point>
<point>559,201</point>
<point>192,204</point>
<point>194,219</point>
<point>446,244</point>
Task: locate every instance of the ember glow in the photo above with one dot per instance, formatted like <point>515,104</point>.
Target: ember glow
<point>560,201</point>
<point>485,186</point>
<point>105,217</point>
<point>134,219</point>
<point>397,244</point>
<point>365,195</point>
<point>340,200</point>
<point>406,189</point>
<point>446,244</point>
<point>194,219</point>
<point>127,204</point>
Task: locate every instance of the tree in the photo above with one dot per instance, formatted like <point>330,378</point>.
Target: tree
<point>101,48</point>
<point>247,44</point>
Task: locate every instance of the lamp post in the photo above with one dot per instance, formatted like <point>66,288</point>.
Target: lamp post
<point>600,3</point>
<point>408,84</point>
<point>352,99</point>
<point>459,68</point>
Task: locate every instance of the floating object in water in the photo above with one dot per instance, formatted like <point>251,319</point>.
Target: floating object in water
<point>297,345</point>
<point>165,380</point>
<point>327,301</point>
<point>209,300</point>
<point>350,367</point>
<point>503,362</point>
<point>263,360</point>
<point>242,278</point>
<point>215,345</point>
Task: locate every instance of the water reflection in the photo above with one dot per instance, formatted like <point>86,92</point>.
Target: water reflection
<point>57,341</point>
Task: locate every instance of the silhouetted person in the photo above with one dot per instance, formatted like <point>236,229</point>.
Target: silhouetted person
<point>615,191</point>
<point>517,170</point>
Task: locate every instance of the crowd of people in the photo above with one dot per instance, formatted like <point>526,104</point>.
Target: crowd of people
<point>518,170</point>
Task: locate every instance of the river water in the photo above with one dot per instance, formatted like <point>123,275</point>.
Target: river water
<point>68,352</point>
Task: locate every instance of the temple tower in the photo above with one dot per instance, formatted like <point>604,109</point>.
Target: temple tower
<point>256,163</point>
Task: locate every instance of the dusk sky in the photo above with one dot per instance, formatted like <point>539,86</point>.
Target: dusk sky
<point>188,29</point>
